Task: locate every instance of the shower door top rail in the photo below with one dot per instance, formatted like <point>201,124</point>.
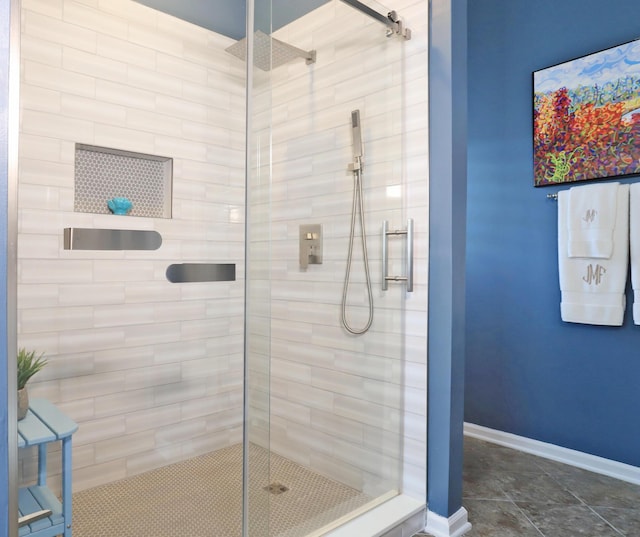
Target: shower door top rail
<point>390,19</point>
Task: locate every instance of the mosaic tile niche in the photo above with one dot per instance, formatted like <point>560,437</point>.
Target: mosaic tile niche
<point>102,173</point>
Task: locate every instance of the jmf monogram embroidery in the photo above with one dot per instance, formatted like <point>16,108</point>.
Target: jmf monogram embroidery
<point>594,274</point>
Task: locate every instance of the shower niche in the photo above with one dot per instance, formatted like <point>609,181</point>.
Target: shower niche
<point>103,173</point>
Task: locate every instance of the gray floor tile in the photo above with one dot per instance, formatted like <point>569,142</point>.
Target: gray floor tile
<point>552,468</point>
<point>600,490</point>
<point>508,492</point>
<point>626,521</point>
<point>567,520</point>
<point>483,483</point>
<point>492,518</point>
<point>535,488</point>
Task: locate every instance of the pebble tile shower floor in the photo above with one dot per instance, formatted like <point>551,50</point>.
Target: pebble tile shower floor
<point>202,497</point>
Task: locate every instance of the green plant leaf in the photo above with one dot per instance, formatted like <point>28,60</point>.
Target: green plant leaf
<point>28,365</point>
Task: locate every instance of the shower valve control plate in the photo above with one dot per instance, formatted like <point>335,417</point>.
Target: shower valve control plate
<point>310,245</point>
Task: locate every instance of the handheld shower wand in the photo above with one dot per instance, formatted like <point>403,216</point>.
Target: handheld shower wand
<point>356,133</point>
<point>358,204</point>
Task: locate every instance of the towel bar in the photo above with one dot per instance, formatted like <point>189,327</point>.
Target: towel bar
<point>409,255</point>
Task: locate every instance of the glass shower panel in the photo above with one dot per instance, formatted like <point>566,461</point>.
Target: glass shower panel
<point>150,369</point>
<point>257,51</point>
<point>330,402</point>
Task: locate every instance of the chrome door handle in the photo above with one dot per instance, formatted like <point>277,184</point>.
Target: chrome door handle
<point>409,255</point>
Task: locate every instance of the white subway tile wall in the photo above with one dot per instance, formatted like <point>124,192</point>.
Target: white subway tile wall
<point>151,371</point>
<point>337,400</point>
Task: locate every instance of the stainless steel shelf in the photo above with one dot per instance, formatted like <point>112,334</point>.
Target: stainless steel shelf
<point>201,272</point>
<point>76,238</point>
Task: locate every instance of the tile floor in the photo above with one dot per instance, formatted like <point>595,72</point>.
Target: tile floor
<point>202,497</point>
<point>509,493</point>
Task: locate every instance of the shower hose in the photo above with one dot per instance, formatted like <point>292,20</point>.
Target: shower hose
<point>358,204</point>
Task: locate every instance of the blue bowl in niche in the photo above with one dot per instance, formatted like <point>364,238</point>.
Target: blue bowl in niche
<point>119,205</point>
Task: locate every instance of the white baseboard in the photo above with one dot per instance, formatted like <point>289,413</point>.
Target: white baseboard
<point>593,463</point>
<point>454,526</point>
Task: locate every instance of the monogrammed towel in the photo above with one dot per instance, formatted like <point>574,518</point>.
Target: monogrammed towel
<point>593,288</point>
<point>591,219</point>
<point>634,240</point>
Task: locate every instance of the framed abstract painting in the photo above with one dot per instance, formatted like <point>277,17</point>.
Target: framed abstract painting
<point>586,117</point>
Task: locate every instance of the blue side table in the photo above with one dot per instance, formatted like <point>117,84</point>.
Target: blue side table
<point>44,423</point>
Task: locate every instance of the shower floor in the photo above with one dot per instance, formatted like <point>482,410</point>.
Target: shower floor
<point>202,497</point>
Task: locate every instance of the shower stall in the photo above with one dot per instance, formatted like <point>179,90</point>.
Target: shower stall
<point>244,349</point>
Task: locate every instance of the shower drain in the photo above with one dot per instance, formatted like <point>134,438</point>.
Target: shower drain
<point>276,488</point>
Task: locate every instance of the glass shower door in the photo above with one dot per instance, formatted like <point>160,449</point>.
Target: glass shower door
<point>325,404</point>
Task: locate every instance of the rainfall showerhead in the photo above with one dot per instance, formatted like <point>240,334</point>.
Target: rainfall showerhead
<point>269,52</point>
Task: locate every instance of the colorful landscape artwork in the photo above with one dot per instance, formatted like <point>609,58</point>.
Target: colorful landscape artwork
<point>586,117</point>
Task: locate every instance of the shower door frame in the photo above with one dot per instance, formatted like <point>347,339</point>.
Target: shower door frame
<point>13,134</point>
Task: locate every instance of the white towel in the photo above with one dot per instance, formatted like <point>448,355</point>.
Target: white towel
<point>592,216</point>
<point>593,288</point>
<point>634,240</point>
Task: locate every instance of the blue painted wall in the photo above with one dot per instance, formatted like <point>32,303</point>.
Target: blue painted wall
<point>447,193</point>
<point>527,372</point>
